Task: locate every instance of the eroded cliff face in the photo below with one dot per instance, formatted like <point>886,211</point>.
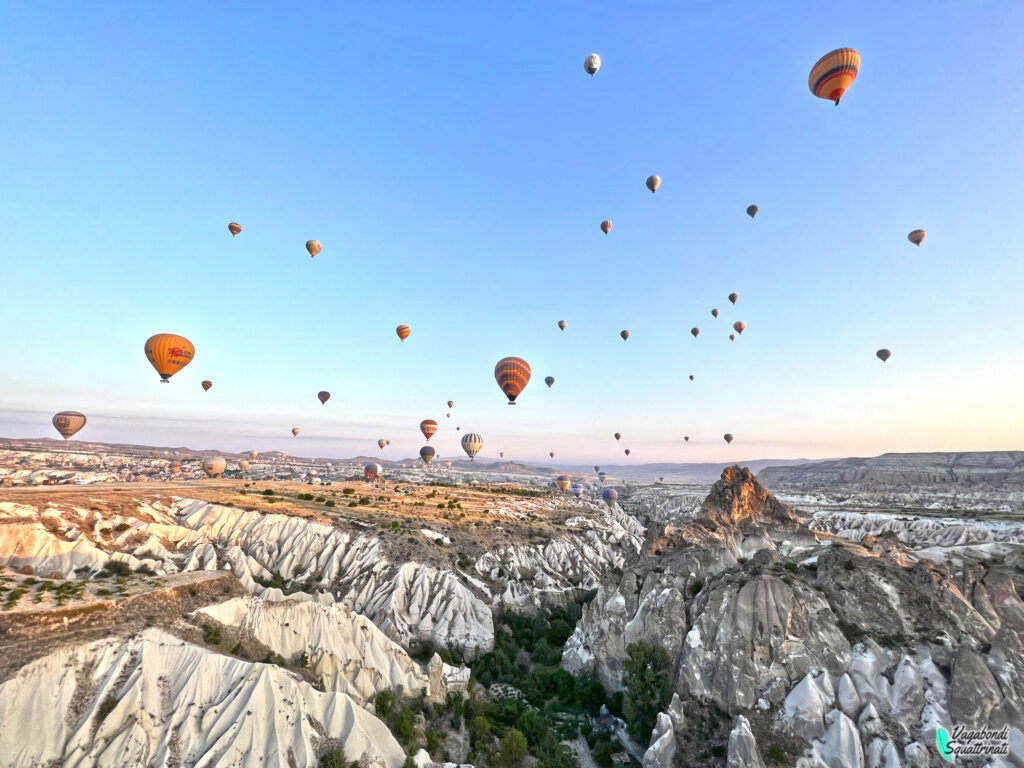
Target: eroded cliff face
<point>857,651</point>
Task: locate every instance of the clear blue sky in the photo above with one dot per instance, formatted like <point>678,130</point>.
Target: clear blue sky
<point>455,161</point>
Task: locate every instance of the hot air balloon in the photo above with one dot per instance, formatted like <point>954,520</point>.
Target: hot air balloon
<point>618,435</point>
<point>562,324</point>
<point>732,337</point>
<point>512,375</point>
<point>686,439</point>
<point>834,73</point>
<point>234,228</point>
<point>610,496</point>
<point>917,236</point>
<point>428,427</point>
<point>447,415</point>
<point>624,335</point>
<point>501,455</point>
<point>591,64</point>
<point>549,380</point>
<point>563,482</point>
<point>213,466</point>
<point>243,465</point>
<point>739,326</point>
<point>154,454</point>
<point>68,423</point>
<point>175,467</point>
<point>714,312</point>
<point>883,354</point>
<point>206,385</point>
<point>323,396</point>
<point>471,444</point>
<point>695,332</point>
<point>387,442</point>
<point>727,437</point>
<point>381,443</point>
<point>552,454</point>
<point>577,490</point>
<point>253,454</point>
<point>403,332</point>
<point>169,353</point>
<point>458,428</point>
<point>602,476</point>
<point>752,210</point>
<point>733,297</point>
<point>451,403</point>
<point>314,247</point>
<point>427,453</point>
<point>661,479</point>
<point>373,471</point>
<point>653,182</point>
<point>691,377</point>
<point>606,226</point>
<point>295,431</point>
<point>626,451</point>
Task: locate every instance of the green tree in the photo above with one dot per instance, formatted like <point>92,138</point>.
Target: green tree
<point>384,704</point>
<point>532,726</point>
<point>513,746</point>
<point>479,729</point>
<point>648,688</point>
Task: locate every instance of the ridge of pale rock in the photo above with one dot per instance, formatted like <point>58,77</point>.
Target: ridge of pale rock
<point>176,703</point>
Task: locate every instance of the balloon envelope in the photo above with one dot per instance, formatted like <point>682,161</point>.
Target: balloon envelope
<point>381,443</point>
<point>695,332</point>
<point>610,495</point>
<point>451,403</point>
<point>427,453</point>
<point>549,380</point>
<point>213,466</point>
<point>714,312</point>
<point>68,423</point>
<point>552,454</point>
<point>653,182</point>
<point>206,385</point>
<point>314,247</point>
<point>373,471</point>
<point>234,228</point>
<point>428,427</point>
<point>169,353</point>
<point>323,396</point>
<point>727,437</point>
<point>562,324</point>
<point>243,465</point>
<point>618,435</point>
<point>295,431</point>
<point>403,332</point>
<point>471,444</point>
<point>626,451</point>
<point>563,482</point>
<point>883,354</point>
<point>739,326</point>
<point>591,64</point>
<point>834,73</point>
<point>733,297</point>
<point>606,226</point>
<point>752,210</point>
<point>512,375</point>
<point>624,335</point>
<point>917,236</point>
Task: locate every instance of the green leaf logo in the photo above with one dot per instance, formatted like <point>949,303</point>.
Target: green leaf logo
<point>942,739</point>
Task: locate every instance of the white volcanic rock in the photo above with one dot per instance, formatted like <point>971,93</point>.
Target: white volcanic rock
<point>743,752</point>
<point>806,706</point>
<point>917,533</point>
<point>176,704</point>
<point>662,744</point>
<point>346,650</point>
<point>31,544</point>
<point>840,747</point>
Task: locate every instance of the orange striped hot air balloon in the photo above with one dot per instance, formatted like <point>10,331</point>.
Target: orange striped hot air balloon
<point>169,353</point>
<point>512,375</point>
<point>834,73</point>
<point>403,332</point>
<point>206,385</point>
<point>175,467</point>
<point>314,247</point>
<point>428,427</point>
<point>234,228</point>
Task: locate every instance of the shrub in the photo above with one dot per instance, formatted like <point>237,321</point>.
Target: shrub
<point>513,746</point>
<point>305,497</point>
<point>320,499</point>
<point>145,570</point>
<point>404,724</point>
<point>329,503</point>
<point>848,565</point>
<point>211,634</point>
<point>792,567</point>
<point>348,491</point>
<point>121,527</point>
<point>117,568</point>
<point>105,708</point>
<point>696,587</point>
<point>353,504</point>
<point>364,501</point>
<point>268,492</point>
<point>334,758</point>
<point>103,593</point>
<point>384,704</point>
<point>776,753</point>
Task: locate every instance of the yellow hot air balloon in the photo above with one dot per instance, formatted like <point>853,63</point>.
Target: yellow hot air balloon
<point>68,423</point>
<point>834,73</point>
<point>169,353</point>
<point>234,228</point>
<point>606,226</point>
<point>917,236</point>
<point>563,482</point>
<point>653,182</point>
<point>314,247</point>
<point>591,64</point>
<point>403,332</point>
